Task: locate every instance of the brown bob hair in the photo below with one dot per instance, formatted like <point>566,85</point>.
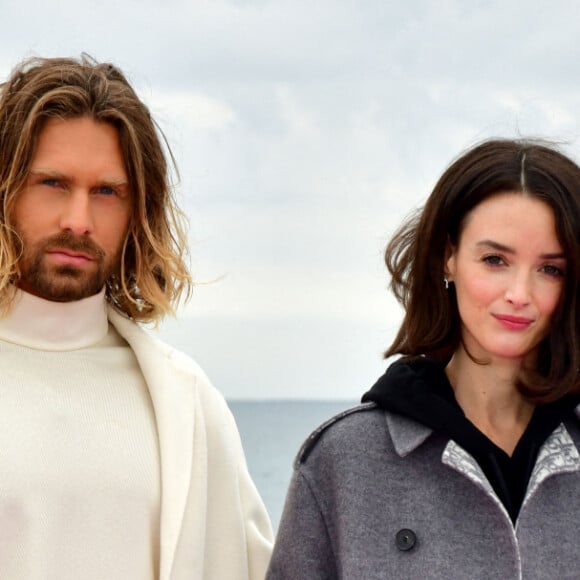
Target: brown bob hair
<point>416,257</point>
<point>152,275</point>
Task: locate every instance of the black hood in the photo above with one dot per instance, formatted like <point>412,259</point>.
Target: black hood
<point>419,389</point>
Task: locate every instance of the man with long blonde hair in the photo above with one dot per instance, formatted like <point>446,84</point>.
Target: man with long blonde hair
<point>119,460</point>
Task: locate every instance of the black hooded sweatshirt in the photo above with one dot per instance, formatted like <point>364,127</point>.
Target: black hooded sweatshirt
<point>419,389</point>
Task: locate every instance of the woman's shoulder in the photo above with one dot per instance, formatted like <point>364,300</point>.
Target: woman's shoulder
<point>345,430</point>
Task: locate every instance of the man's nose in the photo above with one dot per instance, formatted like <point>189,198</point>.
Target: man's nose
<point>76,214</point>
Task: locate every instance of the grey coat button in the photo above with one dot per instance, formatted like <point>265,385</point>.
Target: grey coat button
<point>405,540</point>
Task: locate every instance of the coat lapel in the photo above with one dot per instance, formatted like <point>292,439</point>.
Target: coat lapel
<point>406,434</point>
<point>173,403</point>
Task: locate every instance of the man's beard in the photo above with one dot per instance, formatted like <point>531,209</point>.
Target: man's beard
<point>64,283</point>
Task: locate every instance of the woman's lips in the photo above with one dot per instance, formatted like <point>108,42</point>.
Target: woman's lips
<point>513,322</point>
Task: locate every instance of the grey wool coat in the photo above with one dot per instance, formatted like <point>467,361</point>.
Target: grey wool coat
<point>375,495</point>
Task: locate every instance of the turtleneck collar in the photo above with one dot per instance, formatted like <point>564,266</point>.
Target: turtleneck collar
<point>55,326</point>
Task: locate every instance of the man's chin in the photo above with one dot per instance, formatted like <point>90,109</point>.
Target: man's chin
<point>63,287</point>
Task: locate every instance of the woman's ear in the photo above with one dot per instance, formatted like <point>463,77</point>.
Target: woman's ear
<point>450,261</point>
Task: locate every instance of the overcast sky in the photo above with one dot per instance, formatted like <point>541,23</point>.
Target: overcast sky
<point>305,131</point>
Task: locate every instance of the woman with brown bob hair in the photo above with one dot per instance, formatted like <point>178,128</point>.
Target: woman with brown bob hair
<point>463,461</point>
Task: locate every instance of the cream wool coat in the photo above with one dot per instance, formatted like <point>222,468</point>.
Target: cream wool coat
<point>213,523</point>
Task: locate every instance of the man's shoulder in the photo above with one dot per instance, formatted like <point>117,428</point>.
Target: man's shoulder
<point>150,348</point>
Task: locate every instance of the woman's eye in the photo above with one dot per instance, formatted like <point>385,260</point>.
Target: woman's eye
<point>493,260</point>
<point>552,270</point>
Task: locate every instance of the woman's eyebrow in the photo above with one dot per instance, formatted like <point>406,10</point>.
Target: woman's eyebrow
<point>503,248</point>
<point>495,246</point>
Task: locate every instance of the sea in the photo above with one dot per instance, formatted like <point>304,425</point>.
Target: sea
<point>272,433</point>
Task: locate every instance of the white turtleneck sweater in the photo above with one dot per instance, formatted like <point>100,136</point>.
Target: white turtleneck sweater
<point>79,459</point>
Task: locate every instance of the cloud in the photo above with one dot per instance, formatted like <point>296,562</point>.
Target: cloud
<point>305,132</point>
<point>195,110</point>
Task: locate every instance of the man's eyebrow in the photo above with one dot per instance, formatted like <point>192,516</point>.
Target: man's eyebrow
<point>42,172</point>
<point>55,174</point>
<point>506,249</point>
<point>114,182</point>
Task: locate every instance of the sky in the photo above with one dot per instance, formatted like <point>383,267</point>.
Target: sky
<point>305,131</point>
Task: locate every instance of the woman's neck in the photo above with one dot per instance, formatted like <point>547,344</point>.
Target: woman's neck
<point>488,396</point>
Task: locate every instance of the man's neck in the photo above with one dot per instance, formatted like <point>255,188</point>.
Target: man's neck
<point>42,324</point>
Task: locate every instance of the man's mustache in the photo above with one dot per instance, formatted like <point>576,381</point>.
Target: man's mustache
<point>68,241</point>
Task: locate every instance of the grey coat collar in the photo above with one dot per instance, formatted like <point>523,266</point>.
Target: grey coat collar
<point>408,435</point>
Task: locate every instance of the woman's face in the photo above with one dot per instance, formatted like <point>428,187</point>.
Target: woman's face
<point>508,269</point>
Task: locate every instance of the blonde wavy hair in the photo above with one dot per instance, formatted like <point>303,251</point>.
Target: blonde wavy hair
<point>153,276</point>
